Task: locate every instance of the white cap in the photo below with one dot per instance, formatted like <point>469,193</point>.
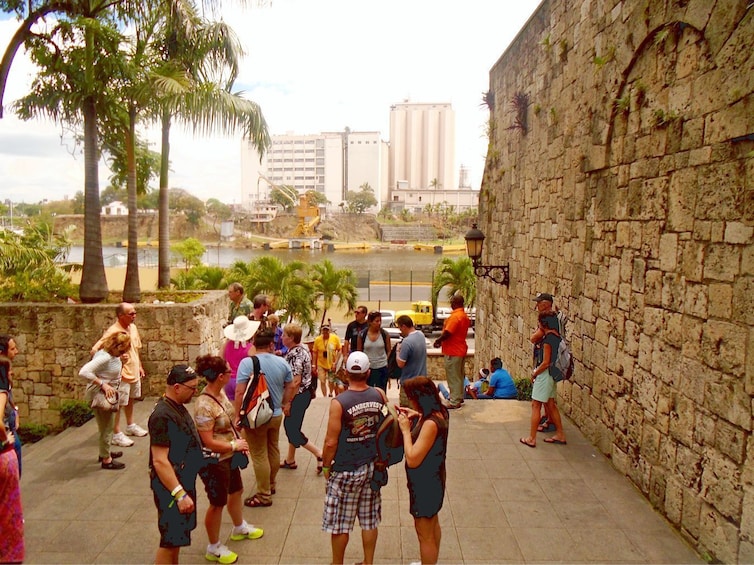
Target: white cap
<point>358,363</point>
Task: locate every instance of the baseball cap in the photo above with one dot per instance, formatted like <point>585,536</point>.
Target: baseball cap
<point>324,327</point>
<point>358,363</point>
<point>181,374</point>
<point>544,296</point>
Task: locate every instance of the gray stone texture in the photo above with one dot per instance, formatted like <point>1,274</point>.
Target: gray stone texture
<point>630,197</point>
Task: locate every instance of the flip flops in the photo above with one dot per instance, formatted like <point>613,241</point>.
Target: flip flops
<point>526,443</point>
<point>546,427</point>
<point>319,465</point>
<point>256,501</point>
<point>556,441</point>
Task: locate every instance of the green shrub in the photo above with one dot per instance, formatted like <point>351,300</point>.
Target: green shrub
<point>32,433</point>
<point>523,386</point>
<point>75,413</point>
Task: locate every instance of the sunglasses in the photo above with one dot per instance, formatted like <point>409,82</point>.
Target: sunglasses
<point>193,388</point>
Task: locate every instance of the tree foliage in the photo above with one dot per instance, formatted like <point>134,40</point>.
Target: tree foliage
<point>190,251</point>
<point>358,202</point>
<point>331,283</point>
<point>458,276</point>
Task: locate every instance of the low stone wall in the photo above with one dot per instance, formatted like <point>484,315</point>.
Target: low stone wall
<point>436,365</point>
<point>55,339</point>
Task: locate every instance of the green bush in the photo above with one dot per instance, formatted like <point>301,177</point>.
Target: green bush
<point>523,386</point>
<point>32,433</point>
<point>75,413</point>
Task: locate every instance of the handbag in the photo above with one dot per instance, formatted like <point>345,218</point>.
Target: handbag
<point>100,400</point>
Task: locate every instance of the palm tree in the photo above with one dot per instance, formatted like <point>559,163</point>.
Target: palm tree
<point>207,53</point>
<point>331,283</point>
<point>458,276</point>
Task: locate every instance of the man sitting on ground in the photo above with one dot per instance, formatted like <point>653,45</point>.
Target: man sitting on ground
<point>501,385</point>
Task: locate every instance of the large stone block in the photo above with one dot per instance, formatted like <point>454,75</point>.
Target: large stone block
<point>729,400</point>
<point>682,419</point>
<point>721,346</point>
<point>718,535</point>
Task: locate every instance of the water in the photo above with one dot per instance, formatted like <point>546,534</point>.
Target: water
<point>383,265</point>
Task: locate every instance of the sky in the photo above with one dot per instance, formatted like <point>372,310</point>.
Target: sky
<point>312,66</point>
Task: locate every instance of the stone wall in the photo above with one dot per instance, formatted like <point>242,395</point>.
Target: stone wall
<point>620,177</point>
<point>55,340</point>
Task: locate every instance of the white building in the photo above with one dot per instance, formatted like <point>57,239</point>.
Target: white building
<point>422,146</point>
<point>115,208</point>
<point>330,163</point>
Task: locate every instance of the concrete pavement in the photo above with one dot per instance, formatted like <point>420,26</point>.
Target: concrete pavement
<point>505,502</point>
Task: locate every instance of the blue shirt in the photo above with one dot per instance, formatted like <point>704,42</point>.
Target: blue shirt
<point>414,353</point>
<point>503,383</point>
<point>276,370</point>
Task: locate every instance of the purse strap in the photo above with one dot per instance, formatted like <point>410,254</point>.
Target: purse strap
<point>220,404</point>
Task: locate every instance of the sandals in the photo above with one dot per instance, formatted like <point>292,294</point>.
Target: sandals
<point>525,441</point>
<point>113,465</point>
<point>546,426</point>
<point>255,501</point>
<point>319,465</point>
<point>286,465</point>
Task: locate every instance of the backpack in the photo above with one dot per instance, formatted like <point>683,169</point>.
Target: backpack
<point>256,406</point>
<point>389,437</point>
<point>562,369</point>
<point>393,370</point>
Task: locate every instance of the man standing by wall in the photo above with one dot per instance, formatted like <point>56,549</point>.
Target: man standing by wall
<point>263,441</point>
<point>239,304</point>
<point>348,455</point>
<point>353,329</point>
<point>175,457</point>
<point>131,375</point>
<point>411,353</point>
<point>261,307</point>
<point>454,348</point>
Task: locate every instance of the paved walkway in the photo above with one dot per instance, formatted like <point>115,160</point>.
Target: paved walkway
<point>505,503</point>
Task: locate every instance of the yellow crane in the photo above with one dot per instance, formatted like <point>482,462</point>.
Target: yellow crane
<point>307,211</point>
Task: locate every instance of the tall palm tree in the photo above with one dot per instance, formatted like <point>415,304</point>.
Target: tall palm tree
<point>208,53</point>
<point>458,276</point>
<point>331,283</point>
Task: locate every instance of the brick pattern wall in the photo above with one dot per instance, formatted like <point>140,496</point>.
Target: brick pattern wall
<point>55,340</point>
<point>621,179</point>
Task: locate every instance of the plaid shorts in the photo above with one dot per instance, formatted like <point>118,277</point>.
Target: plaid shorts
<point>349,495</point>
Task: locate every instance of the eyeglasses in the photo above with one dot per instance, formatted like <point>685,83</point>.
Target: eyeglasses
<point>193,388</point>
<point>132,314</point>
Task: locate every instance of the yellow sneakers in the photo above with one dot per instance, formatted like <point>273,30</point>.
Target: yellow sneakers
<point>221,555</point>
<point>250,533</point>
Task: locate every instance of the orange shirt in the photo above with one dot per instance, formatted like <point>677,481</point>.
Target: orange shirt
<point>457,325</point>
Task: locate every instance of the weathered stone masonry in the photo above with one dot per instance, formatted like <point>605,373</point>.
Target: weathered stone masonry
<point>620,177</point>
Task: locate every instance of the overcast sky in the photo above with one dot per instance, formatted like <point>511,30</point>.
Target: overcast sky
<point>313,66</point>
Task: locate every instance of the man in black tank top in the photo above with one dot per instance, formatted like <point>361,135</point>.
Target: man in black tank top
<point>348,455</point>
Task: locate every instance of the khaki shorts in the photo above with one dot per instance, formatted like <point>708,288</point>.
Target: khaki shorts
<point>129,391</point>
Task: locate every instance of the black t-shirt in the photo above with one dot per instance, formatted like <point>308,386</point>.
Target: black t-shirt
<point>171,426</point>
<point>353,329</point>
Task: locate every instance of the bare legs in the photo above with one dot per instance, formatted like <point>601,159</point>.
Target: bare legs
<point>310,447</point>
<point>167,555</point>
<point>429,534</point>
<point>368,542</point>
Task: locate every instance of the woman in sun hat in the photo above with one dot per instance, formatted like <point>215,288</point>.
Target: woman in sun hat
<point>237,346</point>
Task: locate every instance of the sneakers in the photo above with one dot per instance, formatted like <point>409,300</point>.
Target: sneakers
<point>114,466</point>
<point>220,554</point>
<point>248,532</point>
<point>121,440</point>
<point>135,430</point>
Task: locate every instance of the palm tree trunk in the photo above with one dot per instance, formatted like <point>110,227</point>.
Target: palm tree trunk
<point>131,288</point>
<point>163,275</point>
<point>93,281</point>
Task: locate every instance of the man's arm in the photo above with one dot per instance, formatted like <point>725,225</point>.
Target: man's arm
<point>331,437</point>
<point>168,478</point>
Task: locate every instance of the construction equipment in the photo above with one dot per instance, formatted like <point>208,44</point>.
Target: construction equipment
<point>307,210</point>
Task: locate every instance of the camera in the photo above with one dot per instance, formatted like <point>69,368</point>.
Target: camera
<point>324,355</point>
<point>210,456</point>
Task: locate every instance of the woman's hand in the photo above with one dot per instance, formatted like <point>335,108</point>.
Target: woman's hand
<point>403,422</point>
<point>108,391</point>
<point>409,412</point>
<point>240,445</point>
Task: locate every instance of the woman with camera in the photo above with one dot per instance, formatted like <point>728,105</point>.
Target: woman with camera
<point>213,415</point>
<point>103,374</point>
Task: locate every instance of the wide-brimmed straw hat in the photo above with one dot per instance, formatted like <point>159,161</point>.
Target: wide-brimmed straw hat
<point>242,329</point>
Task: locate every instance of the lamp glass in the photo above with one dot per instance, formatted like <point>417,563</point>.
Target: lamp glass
<point>474,242</point>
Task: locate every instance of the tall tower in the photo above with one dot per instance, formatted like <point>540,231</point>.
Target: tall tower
<point>422,146</point>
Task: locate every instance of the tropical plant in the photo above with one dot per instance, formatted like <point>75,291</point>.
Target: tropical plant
<point>207,54</point>
<point>201,277</point>
<point>458,276</point>
<point>190,251</point>
<point>331,283</point>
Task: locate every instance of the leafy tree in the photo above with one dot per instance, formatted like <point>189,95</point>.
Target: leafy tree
<point>190,205</point>
<point>219,211</point>
<point>78,202</point>
<point>284,196</point>
<point>331,283</point>
<point>458,276</point>
<point>358,202</point>
<point>190,251</point>
<point>315,198</point>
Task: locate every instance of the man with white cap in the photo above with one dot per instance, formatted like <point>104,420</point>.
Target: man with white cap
<point>348,455</point>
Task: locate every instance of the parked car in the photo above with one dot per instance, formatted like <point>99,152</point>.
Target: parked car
<point>388,318</point>
<point>395,335</point>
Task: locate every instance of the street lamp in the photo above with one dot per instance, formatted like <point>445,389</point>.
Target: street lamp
<point>474,243</point>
